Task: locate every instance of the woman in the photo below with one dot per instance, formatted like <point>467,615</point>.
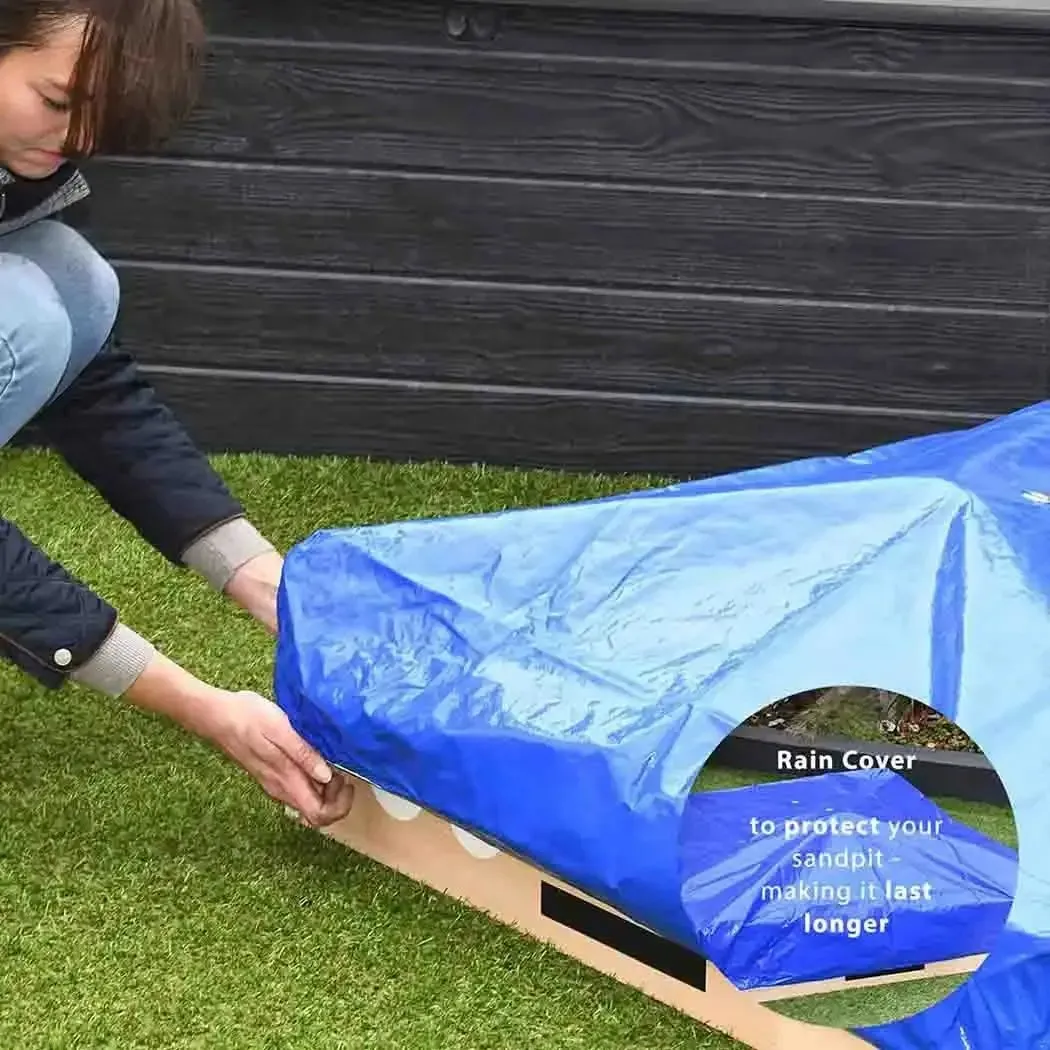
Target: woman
<point>77,77</point>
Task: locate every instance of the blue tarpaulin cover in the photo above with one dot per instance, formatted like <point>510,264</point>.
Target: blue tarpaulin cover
<point>845,874</point>
<point>555,678</point>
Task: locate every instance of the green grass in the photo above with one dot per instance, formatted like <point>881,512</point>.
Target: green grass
<point>864,1007</point>
<point>152,897</point>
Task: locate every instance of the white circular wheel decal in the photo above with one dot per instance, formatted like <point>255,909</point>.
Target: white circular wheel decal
<point>473,845</point>
<point>399,808</point>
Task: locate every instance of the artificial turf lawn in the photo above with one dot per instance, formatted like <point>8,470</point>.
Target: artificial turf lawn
<point>151,896</point>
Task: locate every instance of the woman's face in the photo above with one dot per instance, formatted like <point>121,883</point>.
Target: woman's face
<point>34,103</point>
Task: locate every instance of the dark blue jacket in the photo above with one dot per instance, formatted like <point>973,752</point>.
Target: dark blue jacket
<point>115,433</point>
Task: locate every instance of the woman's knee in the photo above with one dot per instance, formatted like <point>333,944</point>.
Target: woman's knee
<point>86,282</point>
<point>35,342</point>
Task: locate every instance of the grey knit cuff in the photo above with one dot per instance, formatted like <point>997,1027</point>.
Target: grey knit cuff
<point>117,663</point>
<point>218,554</point>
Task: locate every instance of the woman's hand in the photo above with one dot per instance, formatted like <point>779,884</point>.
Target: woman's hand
<point>257,735</point>
<point>254,588</point>
<point>246,727</point>
<point>252,731</point>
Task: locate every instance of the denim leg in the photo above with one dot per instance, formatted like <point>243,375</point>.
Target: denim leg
<point>86,284</point>
<point>58,303</point>
<point>35,341</point>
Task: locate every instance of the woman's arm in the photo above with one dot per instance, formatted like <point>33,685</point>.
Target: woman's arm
<point>117,435</point>
<point>56,628</point>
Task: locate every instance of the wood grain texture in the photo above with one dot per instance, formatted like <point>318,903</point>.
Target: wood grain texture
<point>582,339</point>
<point>654,37</point>
<point>1026,14</point>
<point>566,233</point>
<point>1016,14</point>
<point>346,108</point>
<point>515,428</point>
<point>626,241</point>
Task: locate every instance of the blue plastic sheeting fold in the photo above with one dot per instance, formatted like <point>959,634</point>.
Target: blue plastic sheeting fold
<point>839,875</point>
<point>554,678</point>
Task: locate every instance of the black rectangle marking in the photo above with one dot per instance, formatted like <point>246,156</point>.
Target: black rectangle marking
<point>885,973</point>
<point>623,936</point>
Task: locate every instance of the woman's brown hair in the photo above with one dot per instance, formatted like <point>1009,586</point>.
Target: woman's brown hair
<point>137,75</point>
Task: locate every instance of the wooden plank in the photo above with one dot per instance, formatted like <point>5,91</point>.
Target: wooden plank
<point>654,34</point>
<point>436,853</point>
<point>714,346</point>
<point>519,428</point>
<point>344,108</point>
<point>507,229</point>
<point>947,13</point>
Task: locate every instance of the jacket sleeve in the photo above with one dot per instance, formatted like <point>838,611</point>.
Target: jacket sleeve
<point>117,435</point>
<point>54,627</point>
<point>114,432</point>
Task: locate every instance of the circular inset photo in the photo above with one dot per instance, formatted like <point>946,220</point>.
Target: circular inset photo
<point>848,857</point>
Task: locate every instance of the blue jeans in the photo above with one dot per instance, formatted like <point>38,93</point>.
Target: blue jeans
<point>58,303</point>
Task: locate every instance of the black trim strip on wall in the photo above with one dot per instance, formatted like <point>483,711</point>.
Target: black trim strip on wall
<point>969,14</point>
<point>623,936</point>
<point>955,774</point>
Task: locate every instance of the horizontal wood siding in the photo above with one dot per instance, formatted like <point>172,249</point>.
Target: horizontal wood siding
<point>300,415</point>
<point>570,338</point>
<point>566,233</point>
<point>589,239</point>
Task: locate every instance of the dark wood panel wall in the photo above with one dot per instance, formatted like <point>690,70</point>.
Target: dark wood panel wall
<point>589,238</point>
